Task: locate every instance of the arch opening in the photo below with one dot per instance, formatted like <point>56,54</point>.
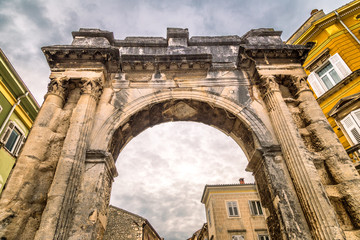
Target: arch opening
<point>161,178</point>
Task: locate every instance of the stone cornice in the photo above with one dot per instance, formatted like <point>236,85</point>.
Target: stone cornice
<point>253,52</point>
<point>55,54</point>
<point>178,61</point>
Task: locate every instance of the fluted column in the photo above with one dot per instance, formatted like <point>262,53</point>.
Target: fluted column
<point>58,211</point>
<point>283,213</point>
<point>312,196</point>
<point>336,159</point>
<point>24,198</point>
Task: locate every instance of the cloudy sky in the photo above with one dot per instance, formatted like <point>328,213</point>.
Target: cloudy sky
<point>162,172</point>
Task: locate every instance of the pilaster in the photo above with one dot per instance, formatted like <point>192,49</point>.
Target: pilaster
<point>24,198</point>
<point>346,179</point>
<point>58,211</point>
<point>311,193</point>
<point>283,213</point>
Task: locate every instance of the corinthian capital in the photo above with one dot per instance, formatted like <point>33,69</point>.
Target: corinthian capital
<point>297,84</point>
<point>268,84</point>
<point>92,86</point>
<point>58,86</point>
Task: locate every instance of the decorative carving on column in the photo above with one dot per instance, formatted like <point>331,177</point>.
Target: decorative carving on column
<point>92,86</point>
<point>296,84</point>
<point>58,86</point>
<point>267,84</point>
<point>332,160</point>
<point>313,199</point>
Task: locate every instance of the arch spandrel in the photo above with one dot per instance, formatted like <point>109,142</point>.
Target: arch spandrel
<point>181,105</point>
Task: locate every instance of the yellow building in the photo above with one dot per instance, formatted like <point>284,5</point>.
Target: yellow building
<point>333,66</point>
<point>234,212</point>
<point>18,109</point>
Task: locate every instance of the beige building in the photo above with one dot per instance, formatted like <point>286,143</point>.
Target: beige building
<point>124,225</point>
<point>234,212</point>
<point>201,234</point>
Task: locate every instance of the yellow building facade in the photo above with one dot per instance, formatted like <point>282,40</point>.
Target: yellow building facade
<point>18,109</point>
<point>333,68</point>
<point>234,212</point>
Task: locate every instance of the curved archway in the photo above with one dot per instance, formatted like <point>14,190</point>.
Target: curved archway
<point>234,119</point>
<point>162,173</point>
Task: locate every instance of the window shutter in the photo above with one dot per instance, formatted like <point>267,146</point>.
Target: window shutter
<point>351,127</point>
<point>340,66</point>
<point>7,132</point>
<point>315,84</point>
<point>356,116</point>
<point>19,146</point>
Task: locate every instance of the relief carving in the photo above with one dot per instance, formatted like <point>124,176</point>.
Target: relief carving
<point>91,86</point>
<point>58,86</point>
<point>267,84</point>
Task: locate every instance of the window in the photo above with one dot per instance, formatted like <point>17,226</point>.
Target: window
<point>328,75</point>
<point>263,237</point>
<point>209,217</point>
<point>13,138</point>
<point>255,208</point>
<point>351,124</point>
<point>237,237</point>
<point>232,209</point>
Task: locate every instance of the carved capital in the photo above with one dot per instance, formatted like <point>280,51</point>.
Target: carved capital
<point>268,84</point>
<point>92,86</point>
<point>58,86</point>
<point>297,84</point>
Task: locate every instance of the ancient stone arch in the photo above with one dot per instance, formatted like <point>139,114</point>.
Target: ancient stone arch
<point>103,92</point>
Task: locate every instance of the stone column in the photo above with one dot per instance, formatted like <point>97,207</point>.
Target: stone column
<point>311,193</point>
<point>58,211</point>
<point>283,213</point>
<point>24,198</point>
<point>92,202</point>
<point>345,177</point>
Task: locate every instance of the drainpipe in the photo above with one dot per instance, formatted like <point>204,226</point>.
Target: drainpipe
<point>12,110</point>
<point>342,23</point>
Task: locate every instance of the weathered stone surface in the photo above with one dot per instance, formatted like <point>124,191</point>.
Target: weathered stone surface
<point>123,225</point>
<point>107,91</point>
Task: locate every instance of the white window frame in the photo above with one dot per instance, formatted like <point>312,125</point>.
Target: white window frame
<point>237,237</point>
<point>232,208</point>
<point>351,125</point>
<point>19,142</point>
<point>256,212</point>
<point>340,68</point>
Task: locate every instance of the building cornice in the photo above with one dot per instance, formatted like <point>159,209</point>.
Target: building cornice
<point>325,21</point>
<point>226,188</point>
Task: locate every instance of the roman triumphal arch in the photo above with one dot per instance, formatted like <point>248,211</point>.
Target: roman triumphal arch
<point>104,91</point>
